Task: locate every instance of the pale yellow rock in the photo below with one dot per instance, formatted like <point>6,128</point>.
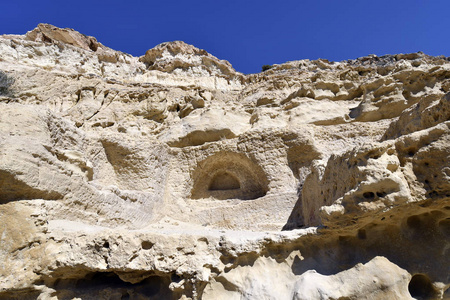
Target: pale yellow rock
<point>378,279</point>
<point>173,176</point>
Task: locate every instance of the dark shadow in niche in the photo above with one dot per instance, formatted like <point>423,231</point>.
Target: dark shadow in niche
<point>102,285</point>
<point>224,181</point>
<point>421,287</point>
<point>229,175</point>
<point>420,250</point>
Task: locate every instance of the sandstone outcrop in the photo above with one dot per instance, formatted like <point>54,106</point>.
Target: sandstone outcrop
<point>173,176</point>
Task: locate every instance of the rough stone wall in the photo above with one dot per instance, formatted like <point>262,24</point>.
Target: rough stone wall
<point>172,176</point>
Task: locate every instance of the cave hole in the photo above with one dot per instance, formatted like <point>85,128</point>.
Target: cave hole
<point>369,195</point>
<point>224,181</point>
<point>420,287</point>
<point>93,45</point>
<point>152,287</point>
<point>381,194</point>
<point>146,245</point>
<point>228,175</point>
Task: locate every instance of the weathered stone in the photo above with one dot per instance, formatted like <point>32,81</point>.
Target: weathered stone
<point>173,176</point>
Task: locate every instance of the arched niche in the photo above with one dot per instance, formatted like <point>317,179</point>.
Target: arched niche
<point>224,181</point>
<point>228,175</point>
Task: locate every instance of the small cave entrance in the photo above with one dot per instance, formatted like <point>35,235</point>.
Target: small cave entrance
<point>228,175</point>
<point>109,285</point>
<point>420,287</point>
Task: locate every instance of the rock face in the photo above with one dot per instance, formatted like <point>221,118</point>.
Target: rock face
<point>172,176</point>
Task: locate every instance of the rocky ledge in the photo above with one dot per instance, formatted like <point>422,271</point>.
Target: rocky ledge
<point>173,176</point>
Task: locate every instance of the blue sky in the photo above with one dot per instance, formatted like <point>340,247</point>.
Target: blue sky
<point>248,34</point>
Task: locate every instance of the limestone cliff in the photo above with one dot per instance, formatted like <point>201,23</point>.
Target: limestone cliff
<point>173,176</point>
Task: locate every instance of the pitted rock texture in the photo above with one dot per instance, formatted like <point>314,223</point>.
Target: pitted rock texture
<point>173,176</point>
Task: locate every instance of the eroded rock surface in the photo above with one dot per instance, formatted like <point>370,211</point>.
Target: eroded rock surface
<point>173,176</point>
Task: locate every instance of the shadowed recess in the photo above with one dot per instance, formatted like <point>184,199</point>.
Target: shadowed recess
<point>228,175</point>
<point>224,181</point>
